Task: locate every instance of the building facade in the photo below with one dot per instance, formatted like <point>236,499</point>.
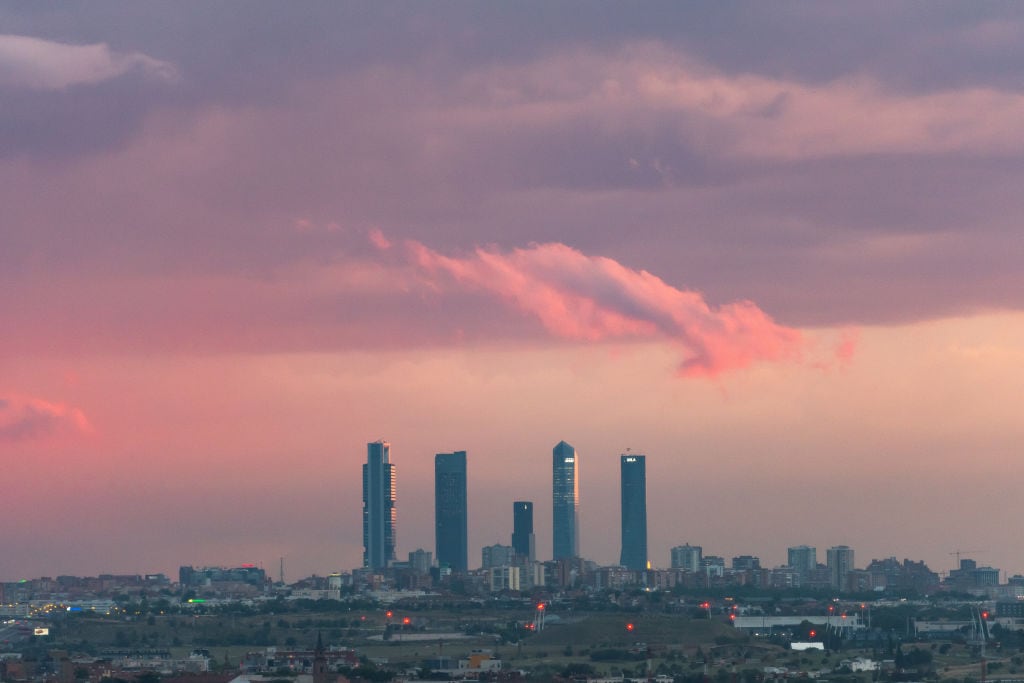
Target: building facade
<point>565,483</point>
<point>421,561</point>
<point>451,523</point>
<point>687,557</point>
<point>634,511</point>
<point>746,563</point>
<point>839,559</point>
<point>522,531</point>
<point>497,555</point>
<point>505,578</point>
<point>804,559</point>
<point>378,506</point>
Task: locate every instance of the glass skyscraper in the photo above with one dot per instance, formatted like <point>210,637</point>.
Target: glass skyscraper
<point>565,486</point>
<point>634,512</point>
<point>378,506</point>
<point>450,519</point>
<point>522,531</point>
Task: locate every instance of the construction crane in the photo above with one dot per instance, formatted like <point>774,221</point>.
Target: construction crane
<point>958,553</point>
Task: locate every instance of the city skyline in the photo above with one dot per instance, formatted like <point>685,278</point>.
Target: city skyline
<point>772,245</point>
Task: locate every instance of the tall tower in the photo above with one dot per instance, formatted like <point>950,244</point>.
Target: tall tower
<point>634,512</point>
<point>522,531</point>
<point>450,519</point>
<point>565,486</point>
<point>840,562</point>
<point>378,506</point>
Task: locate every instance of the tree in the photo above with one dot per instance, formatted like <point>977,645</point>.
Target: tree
<point>578,670</point>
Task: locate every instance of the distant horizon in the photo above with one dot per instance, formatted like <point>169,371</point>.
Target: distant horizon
<point>402,555</point>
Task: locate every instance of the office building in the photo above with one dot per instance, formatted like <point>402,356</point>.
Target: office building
<point>634,511</point>
<point>746,563</point>
<point>687,557</point>
<point>421,560</point>
<point>804,559</point>
<point>451,532</point>
<point>497,555</point>
<point>504,578</point>
<point>839,560</point>
<point>713,565</point>
<point>378,506</point>
<point>565,487</point>
<point>522,531</point>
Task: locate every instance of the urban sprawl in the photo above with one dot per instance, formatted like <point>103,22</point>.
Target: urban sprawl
<point>431,617</point>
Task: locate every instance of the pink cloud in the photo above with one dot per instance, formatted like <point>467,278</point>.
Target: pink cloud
<point>25,418</point>
<point>847,344</point>
<point>378,239</point>
<point>593,298</point>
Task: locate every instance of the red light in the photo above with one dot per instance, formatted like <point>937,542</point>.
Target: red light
<point>629,627</point>
<point>362,618</point>
<point>388,614</point>
<point>733,617</point>
<point>540,606</point>
<point>984,615</point>
<point>813,633</point>
<point>406,621</point>
<point>844,615</point>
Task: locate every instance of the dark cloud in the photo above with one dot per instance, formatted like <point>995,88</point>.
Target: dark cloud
<point>797,155</point>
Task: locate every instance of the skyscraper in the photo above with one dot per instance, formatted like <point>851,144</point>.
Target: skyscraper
<point>565,487</point>
<point>450,519</point>
<point>634,512</point>
<point>378,506</point>
<point>522,531</point>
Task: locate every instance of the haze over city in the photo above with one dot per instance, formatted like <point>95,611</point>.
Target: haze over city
<point>771,246</point>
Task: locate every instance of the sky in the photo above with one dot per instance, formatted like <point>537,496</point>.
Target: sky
<point>772,246</point>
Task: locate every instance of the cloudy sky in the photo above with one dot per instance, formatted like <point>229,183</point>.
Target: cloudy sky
<point>775,247</point>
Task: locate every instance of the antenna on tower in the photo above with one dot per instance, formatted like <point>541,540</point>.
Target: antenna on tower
<point>281,574</point>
